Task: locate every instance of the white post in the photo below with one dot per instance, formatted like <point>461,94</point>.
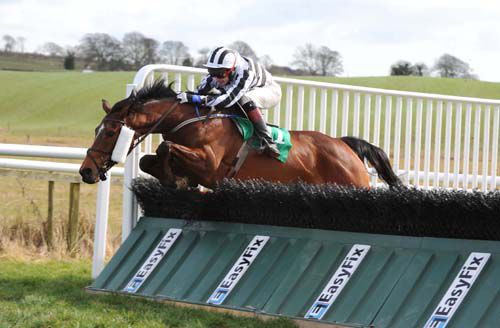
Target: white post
<point>101,226</point>
<point>300,109</point>
<point>129,205</point>
<point>288,107</point>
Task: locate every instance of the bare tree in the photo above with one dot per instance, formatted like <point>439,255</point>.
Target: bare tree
<point>450,66</point>
<point>9,43</point>
<point>329,61</point>
<point>202,57</point>
<point>132,44</point>
<point>20,40</point>
<point>266,61</point>
<point>103,49</point>
<point>174,52</point>
<point>305,59</point>
<point>139,50</point>
<point>243,49</point>
<point>51,49</point>
<point>420,69</point>
<point>151,55</point>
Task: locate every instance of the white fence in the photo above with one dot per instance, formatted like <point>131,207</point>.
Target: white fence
<point>432,140</point>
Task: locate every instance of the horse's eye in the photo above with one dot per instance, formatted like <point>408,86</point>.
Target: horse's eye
<point>110,133</point>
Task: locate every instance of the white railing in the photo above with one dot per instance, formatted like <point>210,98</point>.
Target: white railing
<point>102,203</point>
<point>432,140</point>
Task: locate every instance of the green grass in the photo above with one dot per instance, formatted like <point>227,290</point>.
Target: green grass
<point>34,62</point>
<point>51,294</point>
<point>57,103</point>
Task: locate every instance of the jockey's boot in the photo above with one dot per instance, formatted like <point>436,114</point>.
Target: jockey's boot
<point>267,144</point>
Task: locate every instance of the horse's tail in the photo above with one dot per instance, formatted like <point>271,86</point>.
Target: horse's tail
<point>376,157</point>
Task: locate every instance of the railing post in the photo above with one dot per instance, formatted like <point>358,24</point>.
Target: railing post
<point>101,226</point>
<point>50,216</point>
<point>74,200</point>
<point>129,205</point>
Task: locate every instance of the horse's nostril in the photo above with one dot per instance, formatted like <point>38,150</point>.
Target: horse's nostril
<point>86,172</point>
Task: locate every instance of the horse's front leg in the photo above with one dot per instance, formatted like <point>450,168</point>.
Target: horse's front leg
<point>198,164</point>
<point>157,166</point>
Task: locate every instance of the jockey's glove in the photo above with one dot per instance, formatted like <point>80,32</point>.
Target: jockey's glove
<point>184,97</point>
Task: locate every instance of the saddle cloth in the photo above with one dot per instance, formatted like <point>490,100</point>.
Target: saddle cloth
<point>280,136</point>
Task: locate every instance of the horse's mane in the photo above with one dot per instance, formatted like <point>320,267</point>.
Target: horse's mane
<point>157,90</point>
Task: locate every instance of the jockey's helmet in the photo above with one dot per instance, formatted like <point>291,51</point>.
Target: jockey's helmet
<point>221,58</point>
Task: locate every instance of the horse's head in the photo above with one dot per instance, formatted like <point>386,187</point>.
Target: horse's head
<point>111,136</point>
<point>113,140</point>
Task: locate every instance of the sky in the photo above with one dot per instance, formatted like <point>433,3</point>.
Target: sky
<point>370,35</point>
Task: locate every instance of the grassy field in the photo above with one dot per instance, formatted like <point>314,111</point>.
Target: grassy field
<point>35,62</point>
<point>51,294</point>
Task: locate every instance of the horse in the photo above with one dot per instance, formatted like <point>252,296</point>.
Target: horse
<point>203,152</point>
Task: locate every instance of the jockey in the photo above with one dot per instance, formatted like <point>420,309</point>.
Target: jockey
<point>239,80</point>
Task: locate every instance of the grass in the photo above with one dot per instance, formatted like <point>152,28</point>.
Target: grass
<point>34,62</point>
<point>51,294</point>
<point>57,104</point>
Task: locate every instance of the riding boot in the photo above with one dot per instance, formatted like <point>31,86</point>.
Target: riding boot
<point>264,135</point>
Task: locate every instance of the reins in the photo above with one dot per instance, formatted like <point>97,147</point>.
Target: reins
<point>144,136</point>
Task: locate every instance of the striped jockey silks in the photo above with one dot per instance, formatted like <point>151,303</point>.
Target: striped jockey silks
<point>247,75</point>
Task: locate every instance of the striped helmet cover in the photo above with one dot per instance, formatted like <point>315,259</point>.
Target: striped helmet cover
<point>221,57</point>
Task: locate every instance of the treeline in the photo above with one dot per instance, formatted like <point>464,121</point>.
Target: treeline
<point>103,52</point>
<point>445,66</point>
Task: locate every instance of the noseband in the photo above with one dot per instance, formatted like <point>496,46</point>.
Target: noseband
<point>108,164</point>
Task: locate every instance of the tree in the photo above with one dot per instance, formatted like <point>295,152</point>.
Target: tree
<point>266,61</point>
<point>420,69</point>
<point>318,61</point>
<point>450,66</point>
<point>103,49</point>
<point>202,57</point>
<point>402,67</point>
<point>150,51</point>
<point>243,49</point>
<point>305,59</point>
<point>20,40</point>
<point>329,62</point>
<point>9,43</point>
<point>174,52</point>
<point>139,50</point>
<point>51,49</point>
<point>69,60</point>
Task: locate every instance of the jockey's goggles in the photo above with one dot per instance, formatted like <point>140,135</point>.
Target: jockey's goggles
<point>219,73</point>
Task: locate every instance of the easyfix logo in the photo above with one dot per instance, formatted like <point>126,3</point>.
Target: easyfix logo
<point>457,290</point>
<point>238,270</point>
<point>337,282</point>
<point>150,264</point>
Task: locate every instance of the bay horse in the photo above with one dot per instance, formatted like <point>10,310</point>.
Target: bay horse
<point>203,152</point>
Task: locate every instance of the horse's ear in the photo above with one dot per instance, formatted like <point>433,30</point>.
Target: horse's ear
<point>106,106</point>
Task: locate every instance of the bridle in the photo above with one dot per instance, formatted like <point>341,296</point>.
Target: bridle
<point>108,164</point>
